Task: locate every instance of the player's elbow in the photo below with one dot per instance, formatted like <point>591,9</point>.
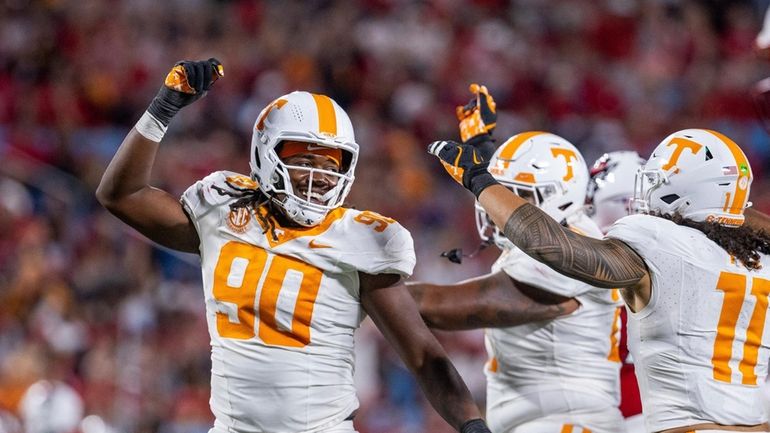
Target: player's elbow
<point>434,321</point>
<point>108,195</point>
<point>105,194</point>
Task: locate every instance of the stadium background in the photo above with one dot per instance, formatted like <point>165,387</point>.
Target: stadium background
<point>86,302</point>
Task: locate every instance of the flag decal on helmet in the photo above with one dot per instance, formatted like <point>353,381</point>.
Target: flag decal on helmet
<point>730,171</point>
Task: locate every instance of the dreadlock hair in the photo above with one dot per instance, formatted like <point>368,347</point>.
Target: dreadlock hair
<point>251,199</point>
<point>744,243</point>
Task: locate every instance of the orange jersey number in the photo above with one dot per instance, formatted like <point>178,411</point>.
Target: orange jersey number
<point>241,270</point>
<point>734,287</point>
<point>369,218</point>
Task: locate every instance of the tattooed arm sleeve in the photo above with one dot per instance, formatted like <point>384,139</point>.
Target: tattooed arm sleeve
<point>607,263</point>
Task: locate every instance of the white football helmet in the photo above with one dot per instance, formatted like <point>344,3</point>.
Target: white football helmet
<point>611,186</point>
<point>310,118</point>
<point>540,166</point>
<point>700,174</point>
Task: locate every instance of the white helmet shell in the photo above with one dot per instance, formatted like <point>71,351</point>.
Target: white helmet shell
<point>701,174</point>
<point>310,118</point>
<point>544,166</point>
<point>611,186</point>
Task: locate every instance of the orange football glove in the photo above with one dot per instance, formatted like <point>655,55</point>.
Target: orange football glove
<point>464,163</point>
<point>185,83</point>
<point>479,116</point>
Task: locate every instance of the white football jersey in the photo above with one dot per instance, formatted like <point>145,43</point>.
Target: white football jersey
<point>282,305</point>
<point>701,344</point>
<point>576,354</point>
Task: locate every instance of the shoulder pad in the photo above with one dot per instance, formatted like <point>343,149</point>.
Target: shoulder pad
<point>382,244</point>
<point>216,189</point>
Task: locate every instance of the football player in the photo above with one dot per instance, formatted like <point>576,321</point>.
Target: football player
<point>610,190</point>
<point>552,340</point>
<point>288,273</point>
<point>692,268</point>
<point>611,187</point>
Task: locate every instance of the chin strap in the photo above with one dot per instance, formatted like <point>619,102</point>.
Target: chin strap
<point>456,255</point>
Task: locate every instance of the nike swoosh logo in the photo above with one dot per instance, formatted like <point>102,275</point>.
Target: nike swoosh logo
<point>314,244</point>
<point>311,147</point>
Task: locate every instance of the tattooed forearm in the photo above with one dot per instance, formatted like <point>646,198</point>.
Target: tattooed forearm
<point>602,263</point>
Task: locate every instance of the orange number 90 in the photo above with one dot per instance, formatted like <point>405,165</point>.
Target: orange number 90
<point>240,271</point>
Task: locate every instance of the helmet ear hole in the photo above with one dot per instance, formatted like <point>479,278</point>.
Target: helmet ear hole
<point>256,157</point>
<point>668,199</point>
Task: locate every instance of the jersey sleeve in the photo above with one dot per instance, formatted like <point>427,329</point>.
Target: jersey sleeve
<point>213,191</point>
<point>379,249</point>
<point>521,267</point>
<point>640,232</point>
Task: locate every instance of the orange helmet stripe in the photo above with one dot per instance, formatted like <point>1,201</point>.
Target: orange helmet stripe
<point>740,196</point>
<point>512,145</point>
<point>327,118</point>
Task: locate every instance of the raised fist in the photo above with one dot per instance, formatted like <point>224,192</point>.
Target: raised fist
<point>479,116</point>
<point>186,83</point>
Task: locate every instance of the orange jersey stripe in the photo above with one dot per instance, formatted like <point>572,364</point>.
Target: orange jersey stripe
<point>614,354</point>
<point>327,118</point>
<point>744,172</point>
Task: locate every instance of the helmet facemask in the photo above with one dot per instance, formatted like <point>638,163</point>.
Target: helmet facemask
<point>306,207</point>
<point>305,118</point>
<point>488,230</point>
<point>646,182</point>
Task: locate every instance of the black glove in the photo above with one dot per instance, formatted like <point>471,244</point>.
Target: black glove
<point>186,83</point>
<point>476,425</point>
<point>464,164</point>
<point>478,119</point>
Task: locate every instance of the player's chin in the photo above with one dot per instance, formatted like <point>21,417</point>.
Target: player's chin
<point>316,197</point>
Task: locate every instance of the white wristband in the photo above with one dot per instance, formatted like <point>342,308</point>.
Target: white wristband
<point>150,127</point>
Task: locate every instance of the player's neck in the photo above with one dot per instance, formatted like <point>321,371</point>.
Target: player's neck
<point>281,218</point>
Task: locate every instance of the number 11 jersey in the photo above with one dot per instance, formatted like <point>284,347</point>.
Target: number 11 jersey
<point>701,344</point>
<point>282,305</point>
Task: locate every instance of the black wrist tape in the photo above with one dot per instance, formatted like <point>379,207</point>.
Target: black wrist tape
<point>477,179</point>
<point>165,105</point>
<point>476,425</point>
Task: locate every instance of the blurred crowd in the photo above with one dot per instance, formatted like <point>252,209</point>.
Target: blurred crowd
<point>100,326</point>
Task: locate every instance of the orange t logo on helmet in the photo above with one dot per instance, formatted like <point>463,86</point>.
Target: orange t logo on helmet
<point>277,103</point>
<point>681,144</point>
<point>569,156</point>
